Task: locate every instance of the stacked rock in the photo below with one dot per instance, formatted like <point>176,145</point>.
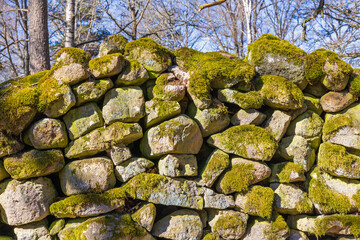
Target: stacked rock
<point>145,143</point>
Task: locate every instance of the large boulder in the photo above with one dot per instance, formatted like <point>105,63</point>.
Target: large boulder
<point>71,74</point>
<point>336,101</point>
<point>70,55</point>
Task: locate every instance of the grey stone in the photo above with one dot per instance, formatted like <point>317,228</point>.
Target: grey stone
<point>277,124</point>
<point>158,111</point>
<point>217,201</point>
<point>248,116</point>
<point>107,66</point>
<point>33,231</point>
<point>70,74</point>
<point>132,167</point>
<point>145,216</point>
<point>307,125</point>
<point>178,165</point>
<point>91,90</point>
<point>119,154</point>
<point>133,74</point>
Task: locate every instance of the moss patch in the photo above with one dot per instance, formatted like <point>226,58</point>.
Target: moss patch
<point>288,168</point>
<point>334,123</point>
<point>304,205</point>
<point>238,178</point>
<point>101,64</point>
<point>323,224</point>
<point>71,55</point>
<point>216,164</point>
<point>228,221</point>
<point>356,198</point>
<point>259,201</point>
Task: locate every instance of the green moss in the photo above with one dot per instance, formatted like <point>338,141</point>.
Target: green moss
<point>56,226</point>
<point>159,89</point>
<point>336,122</point>
<point>270,44</point>
<point>238,178</point>
<point>259,201</point>
<point>356,198</point>
<point>34,78</point>
<point>277,224</point>
<point>280,93</point>
<point>164,110</point>
<point>228,221</point>
<point>101,64</point>
<point>287,169</point>
<point>323,224</point>
<point>72,55</point>
<point>199,87</point>
<point>355,85</point>
<point>249,100</point>
<point>332,158</point>
<point>50,90</point>
<point>327,199</point>
<point>304,205</point>
<point>216,163</point>
<point>313,103</point>
<point>211,236</point>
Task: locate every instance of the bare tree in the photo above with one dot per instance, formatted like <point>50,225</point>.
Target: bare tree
<point>70,23</point>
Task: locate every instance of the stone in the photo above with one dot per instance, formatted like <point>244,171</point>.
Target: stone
<point>247,141</point>
<point>210,120</point>
<point>82,120</point>
<point>89,204</point>
<point>180,135</point>
<point>316,89</point>
<point>87,175</point>
<point>200,96</point>
<point>34,163</point>
<point>268,230</point>
<point>103,138</point>
<point>248,116</point>
<point>335,160</point>
<point>286,172</point>
<point>290,199</point>
<point>158,111</point>
<point>336,101</point>
<point>313,103</point>
<point>179,73</point>
<point>119,154</point>
<point>56,226</point>
<point>125,104</point>
<point>279,93</point>
<point>277,124</point>
<point>167,88</point>
<point>133,74</point>
<point>114,43</point>
<point>47,133</point>
<point>307,125</point>
<point>91,90</point>
<point>145,216</point>
<point>107,66</point>
<point>159,189</point>
<point>299,150</point>
<point>31,198</point>
<point>32,231</point>
<point>178,166</point>
<point>181,224</point>
<point>117,227</point>
<point>249,100</point>
<point>273,56</point>
<point>70,55</point>
<point>297,235</point>
<point>70,74</point>
<point>155,58</point>
<point>56,99</point>
<point>228,224</point>
<point>214,200</point>
<point>215,164</point>
<point>132,167</point>
<point>241,175</point>
<point>3,173</point>
<point>258,201</point>
<point>9,145</point>
<point>325,224</point>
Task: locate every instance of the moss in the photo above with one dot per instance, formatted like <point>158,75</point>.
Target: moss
<point>336,122</point>
<point>163,110</point>
<point>101,64</point>
<point>287,169</point>
<point>356,198</point>
<point>304,205</point>
<point>56,226</point>
<point>249,100</point>
<point>211,236</point>
<point>199,87</point>
<point>355,85</point>
<point>333,158</point>
<point>117,43</point>
<point>216,163</point>
<point>34,78</point>
<point>327,199</point>
<point>238,178</point>
<point>277,224</point>
<point>228,221</point>
<point>270,44</point>
<point>325,223</point>
<point>50,91</point>
<point>259,201</point>
<point>72,55</point>
<point>313,103</point>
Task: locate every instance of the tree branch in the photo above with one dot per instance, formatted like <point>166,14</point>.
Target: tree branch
<point>319,9</point>
<point>201,7</point>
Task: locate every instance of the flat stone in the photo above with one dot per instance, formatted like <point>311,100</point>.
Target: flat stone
<point>180,135</point>
<point>133,74</point>
<point>159,111</point>
<point>30,231</point>
<point>182,224</point>
<point>103,138</point>
<point>119,154</point>
<point>87,175</point>
<point>215,164</point>
<point>248,116</point>
<point>70,74</point>
<point>336,101</point>
<point>249,100</point>
<point>228,224</point>
<point>290,199</point>
<point>217,201</point>
<point>286,172</point>
<point>47,133</point>
<point>132,167</point>
<point>9,145</point>
<point>277,124</point>
<point>91,90</point>
<point>245,141</point>
<point>145,216</point>
<point>82,120</point>
<point>107,66</point>
<point>125,104</point>
<point>210,120</point>
<point>178,165</point>
<point>31,198</point>
<point>34,163</point>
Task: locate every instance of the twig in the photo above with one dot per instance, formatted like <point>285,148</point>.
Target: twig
<point>201,7</point>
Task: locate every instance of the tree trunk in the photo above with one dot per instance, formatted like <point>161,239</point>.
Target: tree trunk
<point>70,23</point>
<point>38,35</point>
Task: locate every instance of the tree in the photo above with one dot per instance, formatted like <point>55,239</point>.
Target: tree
<point>38,35</point>
<point>70,23</point>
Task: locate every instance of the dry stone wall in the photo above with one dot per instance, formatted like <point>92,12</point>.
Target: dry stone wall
<point>144,143</point>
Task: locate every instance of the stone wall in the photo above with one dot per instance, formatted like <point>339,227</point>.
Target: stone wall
<point>144,143</point>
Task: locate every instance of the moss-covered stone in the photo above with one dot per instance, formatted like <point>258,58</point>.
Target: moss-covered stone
<point>307,125</point>
<point>107,66</point>
<point>279,93</point>
<point>312,103</point>
<point>287,172</point>
<point>249,100</point>
<point>176,165</point>
<point>91,90</point>
<point>273,56</point>
<point>155,58</point>
<point>69,74</point>
<point>326,67</point>
<point>257,201</point>
<point>70,55</point>
<point>132,167</point>
<point>9,145</point>
<point>113,44</point>
<point>133,74</point>
<point>145,216</point>
<point>215,164</point>
<point>246,141</point>
<point>158,111</point>
<point>168,89</point>
<point>34,163</point>
<point>199,90</point>
<point>56,226</point>
<point>237,179</point>
<point>354,87</point>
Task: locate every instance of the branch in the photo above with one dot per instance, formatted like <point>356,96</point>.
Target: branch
<point>201,7</point>
<point>319,9</point>
<point>14,10</point>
